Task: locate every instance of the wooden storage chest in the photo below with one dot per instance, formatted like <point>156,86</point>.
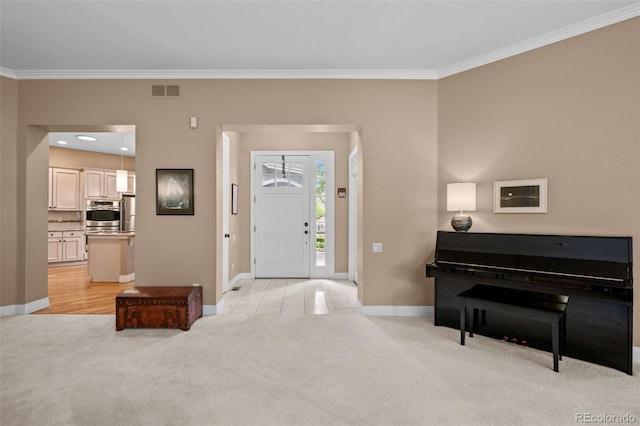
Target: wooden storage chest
<point>158,307</point>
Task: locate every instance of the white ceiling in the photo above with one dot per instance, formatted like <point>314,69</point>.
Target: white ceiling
<point>106,142</point>
<point>282,39</point>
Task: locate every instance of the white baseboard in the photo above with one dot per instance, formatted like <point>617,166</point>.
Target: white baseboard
<point>127,278</point>
<point>396,311</point>
<point>60,264</point>
<point>340,276</point>
<point>10,310</point>
<point>234,281</point>
<point>212,309</point>
<point>36,305</point>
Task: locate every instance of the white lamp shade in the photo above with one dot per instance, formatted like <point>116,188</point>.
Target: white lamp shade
<point>121,180</point>
<point>461,196</point>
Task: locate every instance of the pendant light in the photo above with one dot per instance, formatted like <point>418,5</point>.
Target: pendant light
<point>121,175</point>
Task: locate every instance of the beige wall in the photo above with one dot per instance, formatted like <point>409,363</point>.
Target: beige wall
<point>77,159</point>
<point>569,112</point>
<point>295,141</point>
<point>398,120</point>
<point>11,278</point>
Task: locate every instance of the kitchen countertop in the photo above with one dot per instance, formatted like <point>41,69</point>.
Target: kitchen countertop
<point>112,234</point>
<point>65,226</point>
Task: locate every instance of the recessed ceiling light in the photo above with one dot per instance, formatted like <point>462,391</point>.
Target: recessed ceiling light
<point>124,148</point>
<point>86,138</point>
<point>62,142</point>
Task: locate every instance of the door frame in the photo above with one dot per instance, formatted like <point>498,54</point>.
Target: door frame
<point>327,271</point>
<point>225,213</point>
<point>353,216</point>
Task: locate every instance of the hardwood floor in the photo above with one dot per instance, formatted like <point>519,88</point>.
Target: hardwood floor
<point>72,292</point>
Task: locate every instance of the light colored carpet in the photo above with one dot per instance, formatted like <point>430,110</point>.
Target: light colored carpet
<point>290,370</point>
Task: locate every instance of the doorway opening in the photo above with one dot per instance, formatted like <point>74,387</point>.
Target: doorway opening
<point>326,240</point>
<point>91,194</point>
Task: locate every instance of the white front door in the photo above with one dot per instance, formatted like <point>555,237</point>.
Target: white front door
<point>282,222</point>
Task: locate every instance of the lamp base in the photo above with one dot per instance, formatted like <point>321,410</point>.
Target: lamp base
<point>461,222</point>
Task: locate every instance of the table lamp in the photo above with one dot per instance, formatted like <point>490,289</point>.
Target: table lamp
<point>461,196</point>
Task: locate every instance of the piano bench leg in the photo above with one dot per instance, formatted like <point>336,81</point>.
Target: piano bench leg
<point>474,326</point>
<point>555,343</point>
<point>463,321</point>
<point>563,333</point>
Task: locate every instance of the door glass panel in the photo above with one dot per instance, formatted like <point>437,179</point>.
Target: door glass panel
<point>321,202</point>
<point>268,174</point>
<point>294,174</point>
<point>284,174</point>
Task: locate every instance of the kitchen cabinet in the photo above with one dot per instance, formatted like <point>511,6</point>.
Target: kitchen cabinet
<point>65,246</point>
<point>54,247</point>
<point>101,184</point>
<point>64,189</point>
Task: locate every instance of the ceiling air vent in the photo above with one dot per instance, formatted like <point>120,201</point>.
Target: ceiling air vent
<point>165,91</point>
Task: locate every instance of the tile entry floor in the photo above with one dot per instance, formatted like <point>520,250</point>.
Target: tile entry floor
<point>289,296</point>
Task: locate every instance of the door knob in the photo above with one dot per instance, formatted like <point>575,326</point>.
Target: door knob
<point>306,232</point>
<point>306,224</point>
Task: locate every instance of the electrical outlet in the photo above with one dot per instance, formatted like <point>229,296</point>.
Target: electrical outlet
<point>377,247</point>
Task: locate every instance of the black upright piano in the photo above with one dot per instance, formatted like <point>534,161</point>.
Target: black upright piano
<point>595,272</point>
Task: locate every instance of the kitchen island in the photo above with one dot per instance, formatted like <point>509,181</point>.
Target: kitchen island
<point>111,256</point>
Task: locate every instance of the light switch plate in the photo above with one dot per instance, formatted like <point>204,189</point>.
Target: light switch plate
<point>377,247</point>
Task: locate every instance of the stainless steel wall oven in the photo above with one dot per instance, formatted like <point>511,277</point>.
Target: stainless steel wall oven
<point>102,216</point>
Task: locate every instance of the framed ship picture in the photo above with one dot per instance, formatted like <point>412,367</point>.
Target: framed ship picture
<point>174,192</point>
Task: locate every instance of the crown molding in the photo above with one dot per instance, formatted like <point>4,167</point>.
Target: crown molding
<point>291,74</point>
<point>592,24</point>
<point>583,27</point>
<point>6,72</point>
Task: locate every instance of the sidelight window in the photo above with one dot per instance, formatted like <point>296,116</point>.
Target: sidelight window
<point>321,211</point>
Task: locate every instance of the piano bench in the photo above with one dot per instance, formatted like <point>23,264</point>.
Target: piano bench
<point>529,305</point>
